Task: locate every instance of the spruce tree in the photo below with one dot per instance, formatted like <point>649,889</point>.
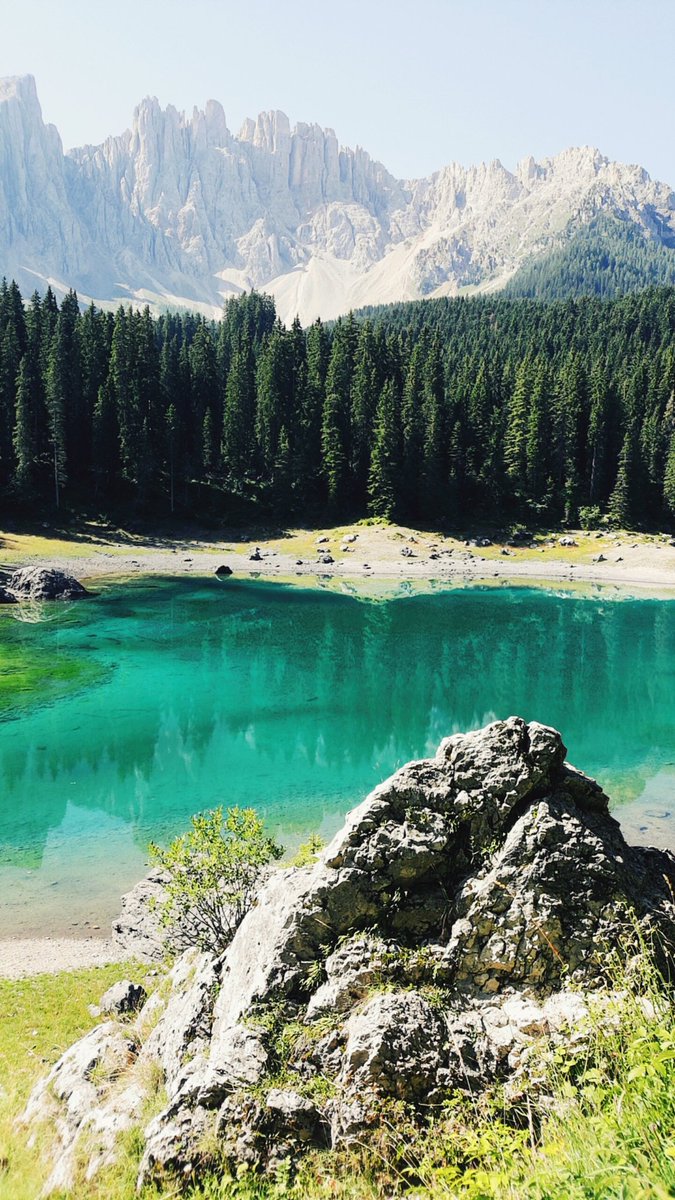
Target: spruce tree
<point>25,449</point>
<point>56,408</point>
<point>238,419</point>
<point>386,455</point>
<point>619,509</point>
<point>669,478</point>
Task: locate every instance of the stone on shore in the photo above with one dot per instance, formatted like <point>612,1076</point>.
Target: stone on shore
<point>43,583</point>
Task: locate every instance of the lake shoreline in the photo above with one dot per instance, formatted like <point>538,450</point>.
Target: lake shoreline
<point>24,957</point>
<point>359,553</point>
<point>399,562</point>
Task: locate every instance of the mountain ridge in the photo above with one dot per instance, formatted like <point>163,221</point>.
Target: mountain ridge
<point>177,211</point>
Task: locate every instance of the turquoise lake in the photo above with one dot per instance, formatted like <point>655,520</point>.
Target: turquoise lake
<point>125,714</point>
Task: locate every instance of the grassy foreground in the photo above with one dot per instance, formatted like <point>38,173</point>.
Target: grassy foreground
<point>606,1129</point>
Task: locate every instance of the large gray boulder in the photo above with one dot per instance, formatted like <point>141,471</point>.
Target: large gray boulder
<point>457,917</point>
<point>44,583</point>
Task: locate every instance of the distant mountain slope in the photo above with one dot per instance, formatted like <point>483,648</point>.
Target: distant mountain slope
<point>607,258</point>
<point>178,211</point>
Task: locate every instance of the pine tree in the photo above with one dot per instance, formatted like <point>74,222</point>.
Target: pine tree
<point>119,391</point>
<point>619,508</point>
<point>669,478</point>
<point>336,421</point>
<point>434,473</point>
<point>517,428</point>
<point>536,447</point>
<point>56,409</point>
<point>386,455</point>
<point>205,393</point>
<point>309,414</point>
<point>412,421</point>
<point>364,392</point>
<point>273,395</point>
<point>10,357</point>
<point>238,419</point>
<point>106,438</point>
<point>25,449</point>
<point>598,430</point>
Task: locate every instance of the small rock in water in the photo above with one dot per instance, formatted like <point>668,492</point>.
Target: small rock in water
<point>223,570</point>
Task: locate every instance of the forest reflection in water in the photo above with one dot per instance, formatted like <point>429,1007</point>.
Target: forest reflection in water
<point>297,701</point>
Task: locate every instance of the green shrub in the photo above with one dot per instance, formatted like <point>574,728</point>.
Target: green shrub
<point>590,516</point>
<point>212,872</point>
<point>308,852</point>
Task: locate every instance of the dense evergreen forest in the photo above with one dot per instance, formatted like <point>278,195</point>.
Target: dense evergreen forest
<point>607,257</point>
<point>440,412</point>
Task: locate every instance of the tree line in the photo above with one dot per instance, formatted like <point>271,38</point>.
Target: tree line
<point>438,411</point>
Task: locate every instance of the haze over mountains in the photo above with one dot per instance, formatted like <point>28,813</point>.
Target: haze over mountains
<point>178,211</point>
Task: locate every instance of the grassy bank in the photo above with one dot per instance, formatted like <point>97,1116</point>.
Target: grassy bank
<point>605,1127</point>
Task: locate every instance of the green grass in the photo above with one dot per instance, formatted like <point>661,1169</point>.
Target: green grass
<point>605,1132</point>
<point>39,1018</point>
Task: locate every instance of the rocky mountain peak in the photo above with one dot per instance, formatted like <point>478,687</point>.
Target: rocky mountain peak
<point>22,89</point>
<point>178,208</point>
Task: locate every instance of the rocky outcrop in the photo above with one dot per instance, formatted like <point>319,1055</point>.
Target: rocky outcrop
<point>42,583</point>
<point>137,931</point>
<point>179,210</point>
<point>461,914</point>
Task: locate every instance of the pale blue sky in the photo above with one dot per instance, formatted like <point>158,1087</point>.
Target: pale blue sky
<point>418,83</point>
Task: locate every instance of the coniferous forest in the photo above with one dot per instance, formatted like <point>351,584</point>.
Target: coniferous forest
<point>438,412</point>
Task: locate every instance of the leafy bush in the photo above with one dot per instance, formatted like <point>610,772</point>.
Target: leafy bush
<point>308,852</point>
<point>212,873</point>
<point>590,516</point>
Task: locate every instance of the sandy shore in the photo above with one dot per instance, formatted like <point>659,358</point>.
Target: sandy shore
<point>360,552</point>
<point>20,957</point>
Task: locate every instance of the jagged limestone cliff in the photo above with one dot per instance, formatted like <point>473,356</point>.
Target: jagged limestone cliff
<point>178,210</point>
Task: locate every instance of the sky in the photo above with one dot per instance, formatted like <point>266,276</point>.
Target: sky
<point>417,83</point>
